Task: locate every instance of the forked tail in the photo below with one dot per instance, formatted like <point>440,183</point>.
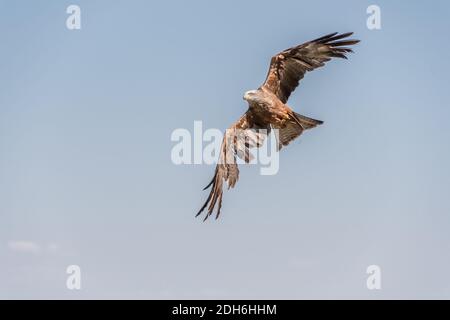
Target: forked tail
<point>305,122</point>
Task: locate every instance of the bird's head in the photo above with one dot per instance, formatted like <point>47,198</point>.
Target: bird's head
<point>250,95</point>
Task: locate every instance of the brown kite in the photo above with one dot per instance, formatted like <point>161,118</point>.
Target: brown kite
<point>268,110</point>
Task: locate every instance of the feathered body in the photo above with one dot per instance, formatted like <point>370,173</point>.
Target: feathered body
<point>268,109</point>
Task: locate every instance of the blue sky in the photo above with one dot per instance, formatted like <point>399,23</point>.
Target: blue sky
<point>86,176</point>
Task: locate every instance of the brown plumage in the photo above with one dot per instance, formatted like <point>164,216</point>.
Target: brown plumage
<point>268,109</point>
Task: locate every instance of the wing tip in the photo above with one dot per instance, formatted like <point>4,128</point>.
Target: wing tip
<point>327,39</point>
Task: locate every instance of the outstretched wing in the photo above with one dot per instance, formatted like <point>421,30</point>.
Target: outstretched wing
<point>237,141</point>
<point>288,67</point>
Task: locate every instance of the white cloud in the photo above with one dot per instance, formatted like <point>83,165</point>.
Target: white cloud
<point>32,247</point>
<point>25,247</point>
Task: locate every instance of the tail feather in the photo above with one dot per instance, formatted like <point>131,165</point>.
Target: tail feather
<point>307,123</point>
<point>294,128</point>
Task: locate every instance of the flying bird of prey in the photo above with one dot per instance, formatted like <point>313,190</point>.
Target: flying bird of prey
<point>268,109</point>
